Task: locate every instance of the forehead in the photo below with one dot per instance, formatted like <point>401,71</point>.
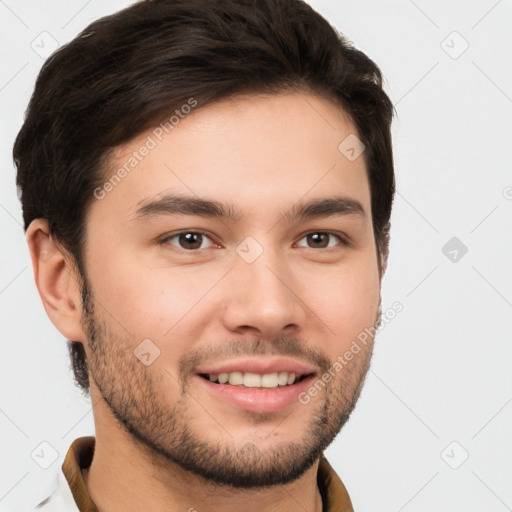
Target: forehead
<point>255,151</point>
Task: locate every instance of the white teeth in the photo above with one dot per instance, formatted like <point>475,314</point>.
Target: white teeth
<point>236,378</point>
<point>282,378</point>
<point>254,380</point>
<point>269,380</point>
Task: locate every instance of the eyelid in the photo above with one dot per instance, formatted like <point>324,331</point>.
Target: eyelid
<point>165,239</point>
<point>344,240</point>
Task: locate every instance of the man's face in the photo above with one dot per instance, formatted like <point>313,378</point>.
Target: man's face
<point>264,291</point>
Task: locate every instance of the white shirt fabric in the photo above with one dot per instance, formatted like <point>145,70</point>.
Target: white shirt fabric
<point>58,498</point>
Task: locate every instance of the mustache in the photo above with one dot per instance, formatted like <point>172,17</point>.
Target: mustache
<point>286,346</point>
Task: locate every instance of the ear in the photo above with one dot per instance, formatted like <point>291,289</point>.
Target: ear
<point>383,249</point>
<point>56,280</point>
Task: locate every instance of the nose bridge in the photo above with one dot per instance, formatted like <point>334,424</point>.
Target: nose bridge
<point>261,294</point>
<point>265,275</point>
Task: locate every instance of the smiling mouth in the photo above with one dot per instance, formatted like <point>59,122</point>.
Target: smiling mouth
<point>255,380</point>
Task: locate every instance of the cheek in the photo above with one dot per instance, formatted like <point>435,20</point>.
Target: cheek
<point>346,300</point>
<point>147,302</point>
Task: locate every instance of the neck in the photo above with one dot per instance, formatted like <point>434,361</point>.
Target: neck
<point>123,477</point>
<point>118,484</point>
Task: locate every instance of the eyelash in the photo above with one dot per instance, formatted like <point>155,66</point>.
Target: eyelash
<point>342,240</point>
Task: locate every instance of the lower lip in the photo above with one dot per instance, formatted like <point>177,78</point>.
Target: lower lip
<point>257,399</point>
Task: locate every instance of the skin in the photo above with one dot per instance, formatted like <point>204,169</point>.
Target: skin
<point>261,154</point>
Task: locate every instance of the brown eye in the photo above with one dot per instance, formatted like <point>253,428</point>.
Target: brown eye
<point>321,240</point>
<point>189,240</point>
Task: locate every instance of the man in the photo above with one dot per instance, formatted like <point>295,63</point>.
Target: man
<point>206,191</point>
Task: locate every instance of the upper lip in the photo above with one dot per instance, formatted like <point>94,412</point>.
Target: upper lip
<point>260,366</point>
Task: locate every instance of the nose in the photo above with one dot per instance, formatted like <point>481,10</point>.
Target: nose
<point>264,298</point>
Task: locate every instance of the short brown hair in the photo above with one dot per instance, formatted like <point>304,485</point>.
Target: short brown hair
<point>129,70</point>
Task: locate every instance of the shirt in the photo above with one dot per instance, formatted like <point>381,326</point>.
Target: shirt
<point>70,493</point>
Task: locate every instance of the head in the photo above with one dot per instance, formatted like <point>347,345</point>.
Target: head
<point>215,189</point>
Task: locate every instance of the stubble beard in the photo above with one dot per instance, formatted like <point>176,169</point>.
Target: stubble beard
<point>166,433</point>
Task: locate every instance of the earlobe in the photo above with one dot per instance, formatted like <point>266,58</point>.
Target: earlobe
<point>56,280</point>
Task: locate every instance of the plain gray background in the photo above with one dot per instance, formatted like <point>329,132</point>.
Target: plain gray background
<point>432,430</point>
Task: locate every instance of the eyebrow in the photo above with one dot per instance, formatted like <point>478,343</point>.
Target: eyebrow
<point>172,204</point>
